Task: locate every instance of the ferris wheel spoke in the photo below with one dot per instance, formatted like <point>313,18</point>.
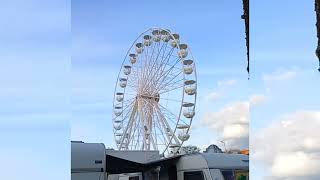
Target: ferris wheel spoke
<point>138,133</point>
<point>169,82</point>
<point>174,100</point>
<point>163,65</point>
<point>163,91</point>
<point>155,130</point>
<point>132,86</point>
<point>132,82</point>
<point>163,116</point>
<point>170,112</point>
<point>170,86</point>
<point>165,58</point>
<point>143,115</point>
<point>163,131</point>
<point>150,120</point>
<point>163,53</point>
<point>170,116</point>
<point>135,124</point>
<point>154,122</point>
<point>149,60</point>
<point>128,105</point>
<point>169,99</point>
<point>165,75</point>
<point>127,114</point>
<point>153,60</point>
<point>156,60</point>
<point>126,102</point>
<point>152,142</point>
<point>122,112</point>
<point>153,74</point>
<point>145,67</point>
<point>138,139</point>
<point>166,124</point>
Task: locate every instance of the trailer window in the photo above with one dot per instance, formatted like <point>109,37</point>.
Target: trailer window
<point>235,174</point>
<point>242,175</point>
<point>134,178</point>
<point>193,175</point>
<point>228,175</point>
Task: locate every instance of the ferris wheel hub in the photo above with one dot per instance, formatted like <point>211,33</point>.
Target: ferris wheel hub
<point>155,97</point>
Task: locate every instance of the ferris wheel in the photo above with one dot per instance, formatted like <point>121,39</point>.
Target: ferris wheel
<point>155,93</point>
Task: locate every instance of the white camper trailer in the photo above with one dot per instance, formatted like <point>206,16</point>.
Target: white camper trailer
<point>91,161</point>
<point>213,166</point>
<point>88,161</point>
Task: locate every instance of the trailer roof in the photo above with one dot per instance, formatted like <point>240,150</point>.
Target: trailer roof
<point>226,161</point>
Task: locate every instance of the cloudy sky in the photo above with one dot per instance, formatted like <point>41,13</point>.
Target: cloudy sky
<point>284,139</point>
<point>280,98</point>
<point>281,93</point>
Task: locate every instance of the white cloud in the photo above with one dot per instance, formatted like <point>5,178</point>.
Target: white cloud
<point>257,99</point>
<point>224,83</point>
<point>221,85</point>
<point>295,164</point>
<point>213,96</point>
<point>235,131</point>
<point>290,147</point>
<point>231,122</point>
<point>280,75</point>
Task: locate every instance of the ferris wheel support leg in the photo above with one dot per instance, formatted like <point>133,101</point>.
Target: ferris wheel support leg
<point>152,142</point>
<point>163,132</point>
<point>167,126</point>
<point>134,125</point>
<point>140,110</point>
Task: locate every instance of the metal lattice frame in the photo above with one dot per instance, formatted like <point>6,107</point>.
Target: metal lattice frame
<point>155,94</point>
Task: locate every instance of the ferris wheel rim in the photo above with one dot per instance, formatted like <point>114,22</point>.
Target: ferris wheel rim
<point>183,89</point>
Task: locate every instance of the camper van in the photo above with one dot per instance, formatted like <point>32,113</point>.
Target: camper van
<point>91,161</point>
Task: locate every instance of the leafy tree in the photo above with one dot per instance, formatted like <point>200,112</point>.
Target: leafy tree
<point>213,149</point>
<point>190,149</point>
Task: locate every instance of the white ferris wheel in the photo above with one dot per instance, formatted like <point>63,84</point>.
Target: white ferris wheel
<point>155,94</point>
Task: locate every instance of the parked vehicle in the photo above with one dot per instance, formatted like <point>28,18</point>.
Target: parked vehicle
<point>91,161</point>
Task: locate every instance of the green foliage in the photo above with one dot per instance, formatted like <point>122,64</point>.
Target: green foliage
<point>190,149</point>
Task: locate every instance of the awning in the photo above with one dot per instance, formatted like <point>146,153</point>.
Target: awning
<point>116,165</point>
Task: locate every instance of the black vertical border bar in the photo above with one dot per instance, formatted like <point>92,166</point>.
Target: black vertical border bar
<point>317,9</point>
<point>246,18</point>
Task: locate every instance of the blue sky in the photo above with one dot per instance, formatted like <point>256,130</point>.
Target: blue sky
<point>102,32</point>
<point>34,89</point>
